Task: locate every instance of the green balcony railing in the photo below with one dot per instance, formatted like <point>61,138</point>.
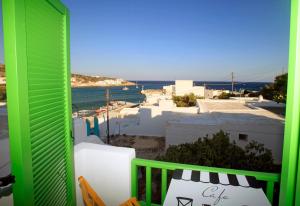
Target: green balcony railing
<point>269,178</point>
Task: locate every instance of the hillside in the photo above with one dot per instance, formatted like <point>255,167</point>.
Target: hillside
<point>79,80</point>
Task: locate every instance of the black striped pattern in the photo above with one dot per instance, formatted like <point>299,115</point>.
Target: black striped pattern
<point>216,178</point>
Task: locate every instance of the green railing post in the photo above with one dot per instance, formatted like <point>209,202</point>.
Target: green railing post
<point>134,180</point>
<point>270,191</point>
<point>163,184</point>
<point>148,186</point>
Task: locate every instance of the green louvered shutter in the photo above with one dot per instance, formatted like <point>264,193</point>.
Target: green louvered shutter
<point>36,43</point>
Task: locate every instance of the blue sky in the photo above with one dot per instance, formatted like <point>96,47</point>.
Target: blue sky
<point>179,39</point>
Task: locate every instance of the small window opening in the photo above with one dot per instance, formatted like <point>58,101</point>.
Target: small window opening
<point>243,137</point>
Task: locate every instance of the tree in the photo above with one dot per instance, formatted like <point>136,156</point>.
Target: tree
<point>276,91</point>
<point>218,151</point>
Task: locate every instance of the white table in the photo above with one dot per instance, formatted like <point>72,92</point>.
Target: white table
<point>194,188</point>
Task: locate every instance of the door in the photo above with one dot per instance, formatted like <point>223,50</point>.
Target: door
<point>36,52</point>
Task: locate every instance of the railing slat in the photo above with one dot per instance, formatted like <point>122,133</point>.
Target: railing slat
<point>163,184</point>
<point>134,180</point>
<point>270,191</point>
<point>148,186</point>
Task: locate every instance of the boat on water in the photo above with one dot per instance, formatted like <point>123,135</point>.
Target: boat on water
<point>125,88</point>
<point>136,85</point>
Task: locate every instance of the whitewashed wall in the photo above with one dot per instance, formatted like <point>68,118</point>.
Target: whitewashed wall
<point>152,121</point>
<point>79,128</point>
<point>107,169</point>
<point>271,135</point>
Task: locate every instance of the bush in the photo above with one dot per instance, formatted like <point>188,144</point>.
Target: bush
<point>220,152</point>
<point>224,95</point>
<point>185,101</point>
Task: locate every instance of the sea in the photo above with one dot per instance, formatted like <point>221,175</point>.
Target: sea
<point>91,98</point>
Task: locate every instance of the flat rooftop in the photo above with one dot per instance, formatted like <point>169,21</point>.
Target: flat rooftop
<point>230,105</point>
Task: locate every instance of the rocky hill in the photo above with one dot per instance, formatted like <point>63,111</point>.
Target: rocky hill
<point>79,80</point>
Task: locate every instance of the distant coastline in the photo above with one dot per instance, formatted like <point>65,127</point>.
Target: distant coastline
<point>79,80</point>
<point>104,86</point>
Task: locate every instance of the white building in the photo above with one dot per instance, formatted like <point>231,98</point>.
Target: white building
<point>148,120</point>
<point>243,119</point>
<point>184,87</point>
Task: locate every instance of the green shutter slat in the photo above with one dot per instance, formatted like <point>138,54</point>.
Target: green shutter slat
<point>42,140</point>
<point>40,74</point>
<point>42,94</point>
<point>45,152</point>
<point>39,91</point>
<point>38,106</point>
<point>49,179</point>
<point>49,99</point>
<point>38,134</point>
<point>55,201</point>
<point>46,180</point>
<point>48,193</point>
<point>47,118</point>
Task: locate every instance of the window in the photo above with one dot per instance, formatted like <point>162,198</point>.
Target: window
<point>243,137</point>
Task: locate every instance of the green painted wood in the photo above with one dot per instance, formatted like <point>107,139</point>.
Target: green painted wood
<point>263,176</point>
<point>297,198</point>
<point>148,186</point>
<point>291,135</point>
<point>270,178</point>
<point>270,191</point>
<point>164,176</point>
<point>36,48</point>
<point>134,181</point>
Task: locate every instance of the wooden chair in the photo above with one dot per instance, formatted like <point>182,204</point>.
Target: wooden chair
<point>131,202</point>
<point>91,198</point>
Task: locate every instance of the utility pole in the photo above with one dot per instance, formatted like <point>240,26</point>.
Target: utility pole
<point>107,114</point>
<point>232,82</point>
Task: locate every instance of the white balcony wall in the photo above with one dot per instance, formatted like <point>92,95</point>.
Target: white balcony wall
<point>107,169</point>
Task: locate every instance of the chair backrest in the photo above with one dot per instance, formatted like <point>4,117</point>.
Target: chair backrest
<point>89,196</point>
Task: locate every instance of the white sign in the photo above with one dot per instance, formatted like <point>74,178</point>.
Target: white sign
<point>186,192</point>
